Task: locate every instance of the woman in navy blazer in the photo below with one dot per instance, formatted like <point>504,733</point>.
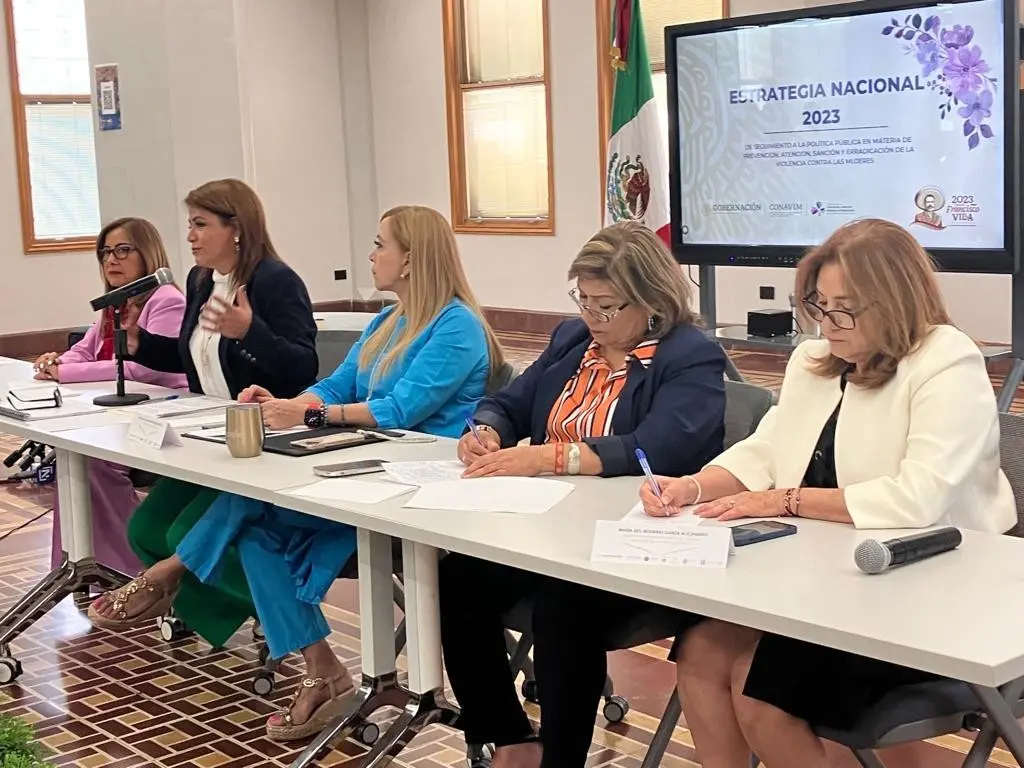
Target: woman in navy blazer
<point>635,372</point>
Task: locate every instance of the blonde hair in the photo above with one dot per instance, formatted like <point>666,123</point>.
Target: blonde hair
<point>235,202</point>
<point>887,271</point>
<point>435,278</point>
<point>639,266</point>
<point>147,241</point>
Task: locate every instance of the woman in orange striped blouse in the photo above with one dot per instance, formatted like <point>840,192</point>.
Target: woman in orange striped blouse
<point>633,372</point>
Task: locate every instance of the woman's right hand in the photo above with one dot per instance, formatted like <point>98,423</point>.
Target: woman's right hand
<point>676,493</point>
<point>470,448</point>
<point>130,325</point>
<point>255,394</point>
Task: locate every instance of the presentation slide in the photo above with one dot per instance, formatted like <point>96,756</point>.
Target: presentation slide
<point>788,131</point>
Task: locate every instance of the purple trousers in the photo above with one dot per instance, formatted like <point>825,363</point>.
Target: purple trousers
<point>114,499</point>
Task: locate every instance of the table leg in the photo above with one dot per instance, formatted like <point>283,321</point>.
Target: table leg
<point>78,570</point>
<point>379,686</point>
<point>996,704</point>
<point>427,704</point>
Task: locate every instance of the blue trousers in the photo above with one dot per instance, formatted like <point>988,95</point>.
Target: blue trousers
<point>290,561</point>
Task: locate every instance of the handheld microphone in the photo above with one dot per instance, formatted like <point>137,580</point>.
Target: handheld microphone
<point>119,296</point>
<point>873,556</point>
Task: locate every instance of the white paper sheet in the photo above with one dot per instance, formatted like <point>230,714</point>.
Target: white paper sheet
<point>686,517</point>
<point>37,390</point>
<point>347,489</point>
<point>659,542</point>
<point>75,407</point>
<point>423,472</point>
<point>182,406</point>
<point>521,495</point>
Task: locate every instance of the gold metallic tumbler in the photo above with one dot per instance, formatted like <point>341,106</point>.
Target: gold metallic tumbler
<point>245,430</point>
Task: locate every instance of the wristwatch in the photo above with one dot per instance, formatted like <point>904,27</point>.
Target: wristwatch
<point>316,418</point>
<point>572,464</point>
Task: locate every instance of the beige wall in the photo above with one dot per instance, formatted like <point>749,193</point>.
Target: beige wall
<point>41,290</point>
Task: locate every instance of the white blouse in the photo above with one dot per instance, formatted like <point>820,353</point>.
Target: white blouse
<point>205,345</point>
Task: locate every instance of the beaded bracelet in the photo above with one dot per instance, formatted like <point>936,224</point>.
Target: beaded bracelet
<point>792,503</point>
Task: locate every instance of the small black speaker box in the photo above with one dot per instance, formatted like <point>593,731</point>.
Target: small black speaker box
<point>770,322</point>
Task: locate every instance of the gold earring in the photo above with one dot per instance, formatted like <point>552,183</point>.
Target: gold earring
<point>236,244</point>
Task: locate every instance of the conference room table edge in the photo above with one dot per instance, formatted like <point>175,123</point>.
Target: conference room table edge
<point>612,578</point>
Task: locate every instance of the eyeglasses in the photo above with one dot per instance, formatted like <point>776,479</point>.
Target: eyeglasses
<point>119,251</point>
<point>843,319</point>
<point>604,316</point>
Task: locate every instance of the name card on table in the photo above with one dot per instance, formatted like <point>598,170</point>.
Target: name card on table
<point>661,543</point>
<point>150,432</point>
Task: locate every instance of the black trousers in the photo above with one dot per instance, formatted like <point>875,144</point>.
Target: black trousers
<point>573,627</point>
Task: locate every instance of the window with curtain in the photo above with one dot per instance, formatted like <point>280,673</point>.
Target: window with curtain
<point>498,105</point>
<point>656,14</point>
<point>53,123</point>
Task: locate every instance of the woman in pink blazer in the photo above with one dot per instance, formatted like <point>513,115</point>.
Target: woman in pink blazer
<point>127,249</point>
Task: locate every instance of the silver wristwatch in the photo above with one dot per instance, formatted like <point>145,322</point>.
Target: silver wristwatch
<point>572,463</point>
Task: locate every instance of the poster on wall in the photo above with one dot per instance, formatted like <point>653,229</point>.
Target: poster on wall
<point>788,130</point>
<point>108,97</point>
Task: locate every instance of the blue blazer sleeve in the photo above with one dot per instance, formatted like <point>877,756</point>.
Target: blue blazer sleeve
<point>282,338</point>
<point>509,412</point>
<point>687,408</point>
<point>453,349</point>
<point>340,387</point>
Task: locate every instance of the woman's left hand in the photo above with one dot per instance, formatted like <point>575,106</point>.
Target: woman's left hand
<point>283,414</point>
<point>521,461</point>
<point>746,504</point>
<point>232,321</point>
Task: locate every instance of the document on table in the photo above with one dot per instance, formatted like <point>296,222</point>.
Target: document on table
<point>686,517</point>
<point>346,489</point>
<point>521,495</point>
<point>217,431</point>
<point>423,472</point>
<point>74,407</point>
<point>658,541</point>
<point>182,406</point>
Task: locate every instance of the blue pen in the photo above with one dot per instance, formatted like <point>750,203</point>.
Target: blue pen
<point>166,397</point>
<point>472,428</point>
<point>646,467</point>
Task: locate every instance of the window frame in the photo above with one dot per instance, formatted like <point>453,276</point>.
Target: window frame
<point>454,67</point>
<point>19,102</point>
<point>606,82</point>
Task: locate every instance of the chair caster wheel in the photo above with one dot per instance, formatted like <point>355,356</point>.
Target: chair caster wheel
<point>257,632</point>
<point>263,683</point>
<point>369,734</point>
<point>529,690</point>
<point>615,709</point>
<point>264,654</point>
<point>172,628</point>
<point>10,670</point>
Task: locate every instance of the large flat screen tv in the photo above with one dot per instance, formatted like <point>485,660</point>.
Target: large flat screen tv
<point>787,125</point>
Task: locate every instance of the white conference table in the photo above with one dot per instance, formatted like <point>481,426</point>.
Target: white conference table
<point>804,586</point>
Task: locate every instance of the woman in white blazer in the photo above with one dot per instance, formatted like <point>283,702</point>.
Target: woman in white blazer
<point>889,422</point>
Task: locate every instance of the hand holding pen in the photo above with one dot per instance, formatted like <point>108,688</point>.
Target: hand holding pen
<point>656,494</point>
<point>478,441</point>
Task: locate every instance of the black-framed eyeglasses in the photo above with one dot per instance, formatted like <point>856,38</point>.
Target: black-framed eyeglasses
<point>843,319</point>
<point>35,403</point>
<point>120,251</point>
<point>602,315</point>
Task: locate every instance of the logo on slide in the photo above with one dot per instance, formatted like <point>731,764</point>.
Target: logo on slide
<point>818,209</point>
<point>929,201</point>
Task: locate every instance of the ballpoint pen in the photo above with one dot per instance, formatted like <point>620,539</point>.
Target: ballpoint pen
<point>646,467</point>
<point>473,429</point>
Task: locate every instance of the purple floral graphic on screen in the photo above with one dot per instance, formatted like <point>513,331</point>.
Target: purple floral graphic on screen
<point>956,70</point>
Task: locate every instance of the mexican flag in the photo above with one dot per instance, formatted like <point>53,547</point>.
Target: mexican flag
<point>636,181</point>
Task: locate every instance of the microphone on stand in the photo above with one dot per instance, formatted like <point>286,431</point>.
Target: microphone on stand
<point>116,299</point>
<point>873,556</point>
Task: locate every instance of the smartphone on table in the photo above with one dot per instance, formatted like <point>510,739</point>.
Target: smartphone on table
<point>350,468</point>
<point>762,530</point>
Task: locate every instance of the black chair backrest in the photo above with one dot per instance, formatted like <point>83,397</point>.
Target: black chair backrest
<point>745,406</point>
<point>1011,455</point>
<point>76,336</point>
<point>504,376</point>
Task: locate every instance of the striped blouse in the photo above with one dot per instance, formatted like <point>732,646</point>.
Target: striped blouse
<point>587,404</point>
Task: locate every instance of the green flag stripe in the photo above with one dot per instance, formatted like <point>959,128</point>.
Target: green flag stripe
<point>633,85</point>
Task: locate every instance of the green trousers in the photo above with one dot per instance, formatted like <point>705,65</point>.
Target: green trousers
<point>162,520</point>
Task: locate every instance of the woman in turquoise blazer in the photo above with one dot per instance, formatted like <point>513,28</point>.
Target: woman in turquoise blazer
<point>421,365</point>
